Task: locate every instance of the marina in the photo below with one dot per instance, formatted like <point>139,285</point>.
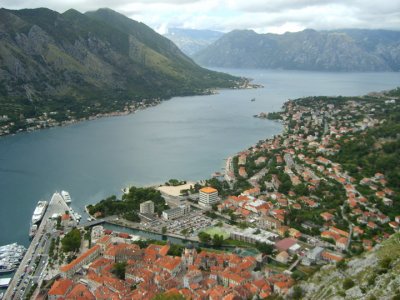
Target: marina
<point>10,257</point>
<point>29,272</point>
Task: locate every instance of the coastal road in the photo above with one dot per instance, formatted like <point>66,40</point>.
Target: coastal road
<point>39,247</point>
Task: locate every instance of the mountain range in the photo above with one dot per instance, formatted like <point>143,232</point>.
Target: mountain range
<point>90,63</point>
<point>339,50</point>
<point>191,41</point>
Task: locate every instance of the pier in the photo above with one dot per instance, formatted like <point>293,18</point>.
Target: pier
<point>22,282</point>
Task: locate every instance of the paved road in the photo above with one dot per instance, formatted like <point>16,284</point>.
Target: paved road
<point>29,273</point>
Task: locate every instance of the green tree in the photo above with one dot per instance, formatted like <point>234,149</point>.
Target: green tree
<point>72,240</point>
<point>119,269</point>
<point>217,240</point>
<point>297,292</point>
<point>348,283</point>
<point>264,248</point>
<point>204,237</point>
<point>185,232</point>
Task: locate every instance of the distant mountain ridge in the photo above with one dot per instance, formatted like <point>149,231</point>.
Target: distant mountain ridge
<point>89,63</point>
<point>339,50</point>
<point>191,41</point>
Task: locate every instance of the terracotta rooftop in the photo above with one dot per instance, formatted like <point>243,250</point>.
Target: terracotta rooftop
<point>80,292</point>
<point>208,190</point>
<point>285,244</point>
<point>60,287</point>
<point>76,261</point>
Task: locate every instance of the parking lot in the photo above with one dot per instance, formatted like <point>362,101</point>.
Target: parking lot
<point>192,222</point>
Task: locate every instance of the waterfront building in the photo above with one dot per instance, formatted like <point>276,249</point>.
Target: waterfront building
<point>208,196</point>
<point>177,212</point>
<point>147,207</point>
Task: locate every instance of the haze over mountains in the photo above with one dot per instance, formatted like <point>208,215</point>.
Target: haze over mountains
<point>339,50</point>
<point>191,41</point>
<point>52,61</point>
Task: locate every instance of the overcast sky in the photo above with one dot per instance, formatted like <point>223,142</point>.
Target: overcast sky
<point>277,16</point>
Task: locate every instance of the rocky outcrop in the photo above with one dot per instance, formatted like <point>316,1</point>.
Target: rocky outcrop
<point>374,275</point>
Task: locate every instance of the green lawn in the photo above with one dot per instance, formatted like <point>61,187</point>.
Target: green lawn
<point>216,230</point>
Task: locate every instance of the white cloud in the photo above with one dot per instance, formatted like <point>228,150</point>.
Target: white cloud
<point>260,15</point>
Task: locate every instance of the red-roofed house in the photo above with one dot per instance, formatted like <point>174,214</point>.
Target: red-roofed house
<point>60,289</point>
<point>80,292</point>
<point>285,244</point>
<point>341,243</point>
<point>327,216</point>
<point>331,257</point>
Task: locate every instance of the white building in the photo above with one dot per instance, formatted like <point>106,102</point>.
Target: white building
<point>147,207</point>
<point>208,196</point>
<point>177,212</point>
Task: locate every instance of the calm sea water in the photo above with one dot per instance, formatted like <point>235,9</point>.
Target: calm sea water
<point>184,138</point>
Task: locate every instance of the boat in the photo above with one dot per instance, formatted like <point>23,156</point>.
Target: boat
<point>75,215</point>
<point>33,230</point>
<point>66,197</point>
<point>252,100</point>
<point>7,268</point>
<point>39,211</point>
<point>4,282</point>
<point>10,257</point>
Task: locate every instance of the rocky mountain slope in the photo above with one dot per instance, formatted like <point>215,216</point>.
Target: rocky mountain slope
<point>89,63</point>
<point>374,275</point>
<point>342,50</point>
<point>191,41</point>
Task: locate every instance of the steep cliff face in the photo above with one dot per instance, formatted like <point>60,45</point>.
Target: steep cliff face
<point>347,50</point>
<point>375,275</point>
<point>50,61</point>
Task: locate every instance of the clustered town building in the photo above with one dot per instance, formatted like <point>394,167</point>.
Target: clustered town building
<point>299,201</point>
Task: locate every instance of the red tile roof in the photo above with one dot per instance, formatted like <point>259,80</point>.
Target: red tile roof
<point>208,190</point>
<point>80,292</point>
<point>76,261</point>
<point>60,287</point>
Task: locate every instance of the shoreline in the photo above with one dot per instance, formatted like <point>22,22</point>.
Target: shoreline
<point>131,108</point>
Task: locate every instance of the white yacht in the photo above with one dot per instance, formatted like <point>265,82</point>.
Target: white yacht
<point>66,197</point>
<point>39,211</point>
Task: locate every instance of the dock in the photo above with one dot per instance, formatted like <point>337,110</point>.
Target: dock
<point>38,249</point>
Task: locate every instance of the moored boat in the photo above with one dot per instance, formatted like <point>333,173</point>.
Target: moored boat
<point>33,230</point>
<point>66,196</point>
<point>39,211</point>
<point>10,257</point>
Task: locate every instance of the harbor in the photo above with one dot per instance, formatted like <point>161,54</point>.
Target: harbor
<point>32,269</point>
<point>10,257</point>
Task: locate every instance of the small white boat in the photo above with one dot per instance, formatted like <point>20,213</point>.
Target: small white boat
<point>66,196</point>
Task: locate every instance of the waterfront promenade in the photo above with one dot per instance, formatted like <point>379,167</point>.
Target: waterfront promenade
<point>39,247</point>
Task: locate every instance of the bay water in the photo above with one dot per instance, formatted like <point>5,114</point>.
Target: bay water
<point>186,138</point>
